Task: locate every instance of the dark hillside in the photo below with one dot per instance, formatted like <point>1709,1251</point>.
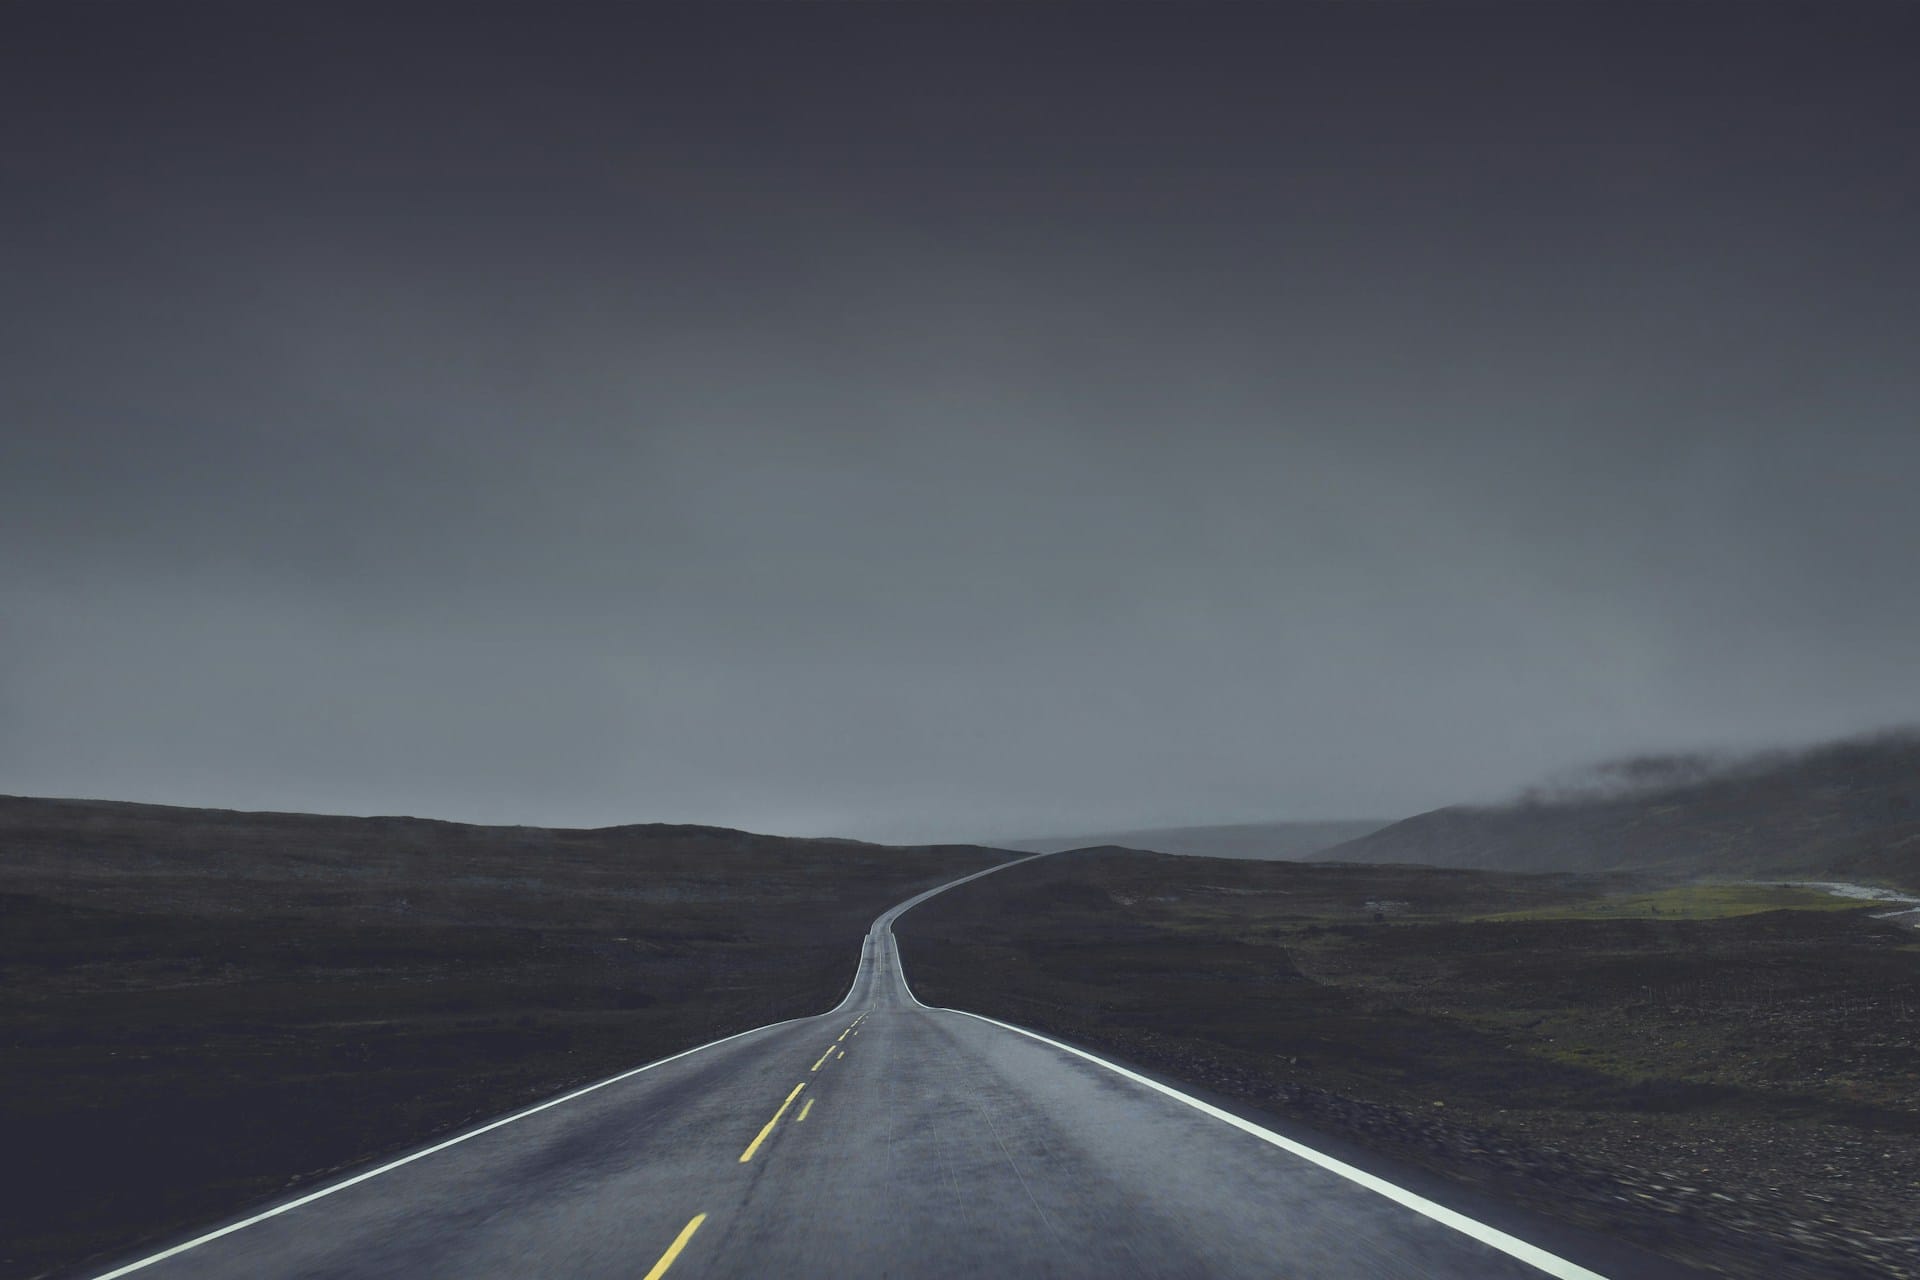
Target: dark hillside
<point>199,1008</point>
<point>1847,811</point>
<point>1291,840</point>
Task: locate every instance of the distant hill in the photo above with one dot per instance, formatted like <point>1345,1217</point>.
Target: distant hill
<point>1291,841</point>
<point>1844,811</point>
<point>160,857</point>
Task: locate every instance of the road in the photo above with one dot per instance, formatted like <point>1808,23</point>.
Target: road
<point>883,1139</point>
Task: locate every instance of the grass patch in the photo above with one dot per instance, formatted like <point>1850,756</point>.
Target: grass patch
<point>1690,902</point>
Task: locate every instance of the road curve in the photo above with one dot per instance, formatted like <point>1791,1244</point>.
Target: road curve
<point>882,1139</point>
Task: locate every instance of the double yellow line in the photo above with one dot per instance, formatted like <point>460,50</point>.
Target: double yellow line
<point>767,1128</point>
<point>821,1061</point>
<point>686,1232</point>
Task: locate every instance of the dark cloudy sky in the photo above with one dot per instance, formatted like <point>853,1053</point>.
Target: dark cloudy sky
<point>920,422</point>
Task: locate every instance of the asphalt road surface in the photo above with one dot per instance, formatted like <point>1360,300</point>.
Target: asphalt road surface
<point>882,1139</point>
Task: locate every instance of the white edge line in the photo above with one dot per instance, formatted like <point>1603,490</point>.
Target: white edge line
<point>1513,1246</point>
<point>455,1141</point>
<point>900,971</point>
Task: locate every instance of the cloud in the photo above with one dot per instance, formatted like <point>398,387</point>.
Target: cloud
<point>857,443</point>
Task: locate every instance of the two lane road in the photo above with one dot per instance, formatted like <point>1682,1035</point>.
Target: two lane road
<point>883,1139</point>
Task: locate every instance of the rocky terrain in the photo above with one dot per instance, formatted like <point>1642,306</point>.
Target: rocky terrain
<point>1726,1073</point>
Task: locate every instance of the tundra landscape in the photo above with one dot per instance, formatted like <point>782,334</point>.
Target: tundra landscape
<point>207,1008</point>
<point>1646,1039</point>
<point>1092,640</point>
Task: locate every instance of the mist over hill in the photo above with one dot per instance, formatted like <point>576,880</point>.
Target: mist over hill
<point>1842,810</point>
<point>1267,840</point>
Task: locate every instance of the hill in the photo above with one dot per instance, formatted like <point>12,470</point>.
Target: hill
<point>1843,811</point>
<point>1265,840</point>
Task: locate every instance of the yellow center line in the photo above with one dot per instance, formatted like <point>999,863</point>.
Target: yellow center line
<point>673,1250</point>
<point>804,1108</point>
<point>843,1034</point>
<point>755,1144</point>
<point>823,1058</point>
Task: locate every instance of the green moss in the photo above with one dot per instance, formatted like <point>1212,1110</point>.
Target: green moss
<point>1690,902</point>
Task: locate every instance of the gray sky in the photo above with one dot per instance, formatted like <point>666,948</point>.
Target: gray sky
<point>957,423</point>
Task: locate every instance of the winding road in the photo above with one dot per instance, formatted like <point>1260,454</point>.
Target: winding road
<point>883,1139</point>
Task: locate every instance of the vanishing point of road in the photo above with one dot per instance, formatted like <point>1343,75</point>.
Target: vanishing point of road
<point>883,1139</point>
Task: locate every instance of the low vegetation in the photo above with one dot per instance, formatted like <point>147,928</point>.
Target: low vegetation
<point>199,1009</point>
<point>1688,902</point>
<point>1726,1073</point>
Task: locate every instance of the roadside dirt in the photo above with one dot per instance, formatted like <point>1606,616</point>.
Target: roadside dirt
<point>1740,1092</point>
